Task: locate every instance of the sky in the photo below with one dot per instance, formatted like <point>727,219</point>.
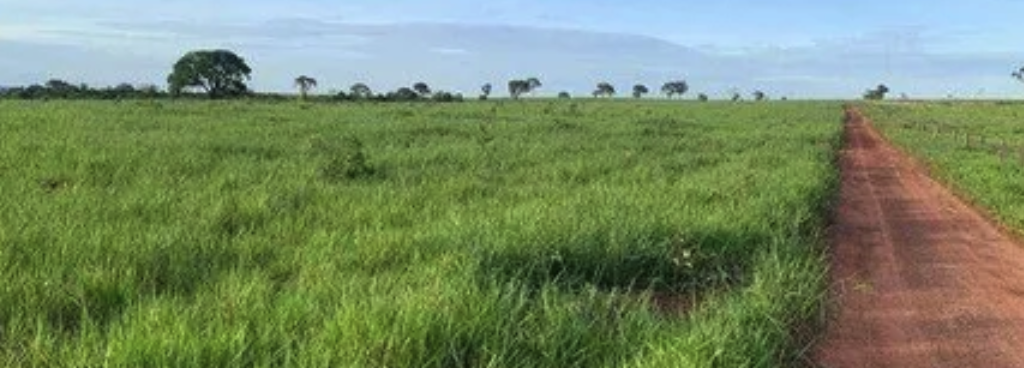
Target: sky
<point>793,48</point>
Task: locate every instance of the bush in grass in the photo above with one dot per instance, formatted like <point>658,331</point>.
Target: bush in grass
<point>341,161</point>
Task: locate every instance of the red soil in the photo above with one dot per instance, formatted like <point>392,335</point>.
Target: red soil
<point>919,279</point>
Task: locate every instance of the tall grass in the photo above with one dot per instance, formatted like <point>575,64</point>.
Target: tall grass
<point>569,234</point>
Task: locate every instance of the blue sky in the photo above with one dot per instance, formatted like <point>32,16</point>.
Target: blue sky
<point>798,48</point>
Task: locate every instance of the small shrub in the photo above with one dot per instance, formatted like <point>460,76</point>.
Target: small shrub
<point>342,161</point>
<point>55,184</point>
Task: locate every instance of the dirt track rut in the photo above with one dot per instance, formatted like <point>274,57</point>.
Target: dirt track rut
<point>919,279</point>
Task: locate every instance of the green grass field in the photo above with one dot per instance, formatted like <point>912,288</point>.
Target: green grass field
<point>989,170</point>
<point>535,234</point>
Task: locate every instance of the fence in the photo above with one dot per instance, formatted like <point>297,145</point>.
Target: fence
<point>1001,147</point>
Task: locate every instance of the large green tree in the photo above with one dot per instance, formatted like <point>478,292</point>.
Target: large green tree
<point>218,73</point>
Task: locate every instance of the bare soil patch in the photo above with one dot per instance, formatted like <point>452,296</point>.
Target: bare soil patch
<point>919,278</point>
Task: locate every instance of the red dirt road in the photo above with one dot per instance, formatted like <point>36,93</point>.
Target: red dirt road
<point>919,279</point>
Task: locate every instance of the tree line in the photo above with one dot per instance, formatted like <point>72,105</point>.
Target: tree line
<point>222,74</point>
<point>219,74</point>
<point>60,89</point>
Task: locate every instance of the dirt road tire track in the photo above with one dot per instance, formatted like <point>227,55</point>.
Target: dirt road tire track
<point>918,278</point>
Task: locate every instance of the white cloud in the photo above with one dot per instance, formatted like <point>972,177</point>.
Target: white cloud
<point>449,51</point>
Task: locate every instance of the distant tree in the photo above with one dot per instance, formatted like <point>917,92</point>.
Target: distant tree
<point>759,95</point>
<point>640,90</point>
<point>533,84</point>
<point>28,93</point>
<point>127,88</point>
<point>702,97</point>
<point>219,73</point>
<point>422,89</point>
<point>673,88</point>
<point>123,90</point>
<point>604,89</point>
<point>518,87</point>
<point>878,93</point>
<point>61,89</point>
<point>32,92</point>
<point>564,95</point>
<point>485,91</point>
<point>442,96</point>
<point>1019,74</point>
<point>149,90</point>
<point>59,85</point>
<point>736,96</point>
<point>404,94</point>
<point>360,91</point>
<point>305,84</point>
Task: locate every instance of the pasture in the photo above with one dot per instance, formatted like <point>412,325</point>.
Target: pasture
<point>485,234</point>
